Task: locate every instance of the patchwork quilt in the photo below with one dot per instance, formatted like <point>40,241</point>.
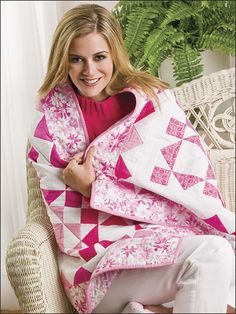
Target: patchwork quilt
<point>154,185</point>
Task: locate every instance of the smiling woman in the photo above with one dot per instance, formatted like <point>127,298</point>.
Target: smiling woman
<point>126,180</point>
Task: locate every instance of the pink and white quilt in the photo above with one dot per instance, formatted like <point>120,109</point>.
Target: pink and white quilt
<point>154,185</point>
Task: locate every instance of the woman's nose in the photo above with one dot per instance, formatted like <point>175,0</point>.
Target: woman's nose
<point>89,68</point>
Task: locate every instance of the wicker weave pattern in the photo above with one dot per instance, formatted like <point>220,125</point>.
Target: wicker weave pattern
<point>32,259</point>
<point>224,166</point>
<point>202,101</point>
<point>32,254</point>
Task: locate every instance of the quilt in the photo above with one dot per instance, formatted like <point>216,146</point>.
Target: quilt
<point>154,185</point>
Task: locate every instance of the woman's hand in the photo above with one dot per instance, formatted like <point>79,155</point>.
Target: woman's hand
<point>80,176</point>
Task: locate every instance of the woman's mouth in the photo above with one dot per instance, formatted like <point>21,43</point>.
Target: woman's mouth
<point>90,82</point>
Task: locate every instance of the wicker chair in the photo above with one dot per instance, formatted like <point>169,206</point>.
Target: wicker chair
<point>32,254</point>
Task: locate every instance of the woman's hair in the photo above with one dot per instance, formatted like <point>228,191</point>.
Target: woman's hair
<point>85,19</point>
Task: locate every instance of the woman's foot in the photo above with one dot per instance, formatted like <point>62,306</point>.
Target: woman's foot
<point>230,309</point>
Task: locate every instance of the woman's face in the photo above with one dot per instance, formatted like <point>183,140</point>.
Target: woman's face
<point>90,65</point>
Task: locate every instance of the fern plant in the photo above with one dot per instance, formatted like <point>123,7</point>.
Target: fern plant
<point>176,29</point>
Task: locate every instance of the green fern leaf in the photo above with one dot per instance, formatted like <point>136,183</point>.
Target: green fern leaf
<point>186,63</point>
<point>178,11</point>
<point>156,40</point>
<point>223,41</point>
<point>124,8</point>
<point>163,52</point>
<point>138,28</point>
<point>156,60</point>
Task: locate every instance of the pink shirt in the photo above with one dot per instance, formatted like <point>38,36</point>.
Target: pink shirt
<point>100,115</point>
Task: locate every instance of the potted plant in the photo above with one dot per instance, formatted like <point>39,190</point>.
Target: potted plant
<point>178,30</point>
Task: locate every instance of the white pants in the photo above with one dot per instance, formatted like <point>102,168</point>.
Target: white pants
<point>201,281</point>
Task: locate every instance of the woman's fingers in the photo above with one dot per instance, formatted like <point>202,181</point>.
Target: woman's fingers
<point>90,155</point>
<point>78,157</point>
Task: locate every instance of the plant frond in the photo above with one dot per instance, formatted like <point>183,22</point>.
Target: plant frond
<point>124,8</point>
<point>218,4</point>
<point>138,28</point>
<point>223,41</point>
<point>156,40</point>
<point>176,29</point>
<point>178,11</point>
<point>186,63</point>
<point>156,60</point>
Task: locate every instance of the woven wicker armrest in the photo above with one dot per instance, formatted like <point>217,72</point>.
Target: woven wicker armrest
<point>32,269</point>
<point>31,259</point>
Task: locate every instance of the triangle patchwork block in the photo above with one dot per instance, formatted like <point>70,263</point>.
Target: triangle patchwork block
<point>106,243</point>
<point>92,237</point>
<point>70,240</point>
<point>33,154</point>
<point>121,170</point>
<point>88,253</point>
<point>81,275</point>
<point>114,220</point>
<point>55,160</point>
<point>42,130</point>
<point>51,195</point>
<point>210,190</point>
<point>170,153</point>
<point>133,140</point>
<point>187,180</point>
<point>58,211</point>
<point>147,109</point>
<point>215,222</point>
<point>210,173</point>
<point>74,228</point>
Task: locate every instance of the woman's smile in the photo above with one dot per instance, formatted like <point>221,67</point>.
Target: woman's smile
<point>91,82</point>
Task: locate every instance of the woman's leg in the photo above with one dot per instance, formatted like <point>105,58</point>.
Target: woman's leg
<point>203,284</point>
<point>198,281</point>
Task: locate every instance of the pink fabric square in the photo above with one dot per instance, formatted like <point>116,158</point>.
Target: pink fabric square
<point>176,128</point>
<point>160,176</point>
<point>73,199</point>
<point>33,154</point>
<point>89,216</point>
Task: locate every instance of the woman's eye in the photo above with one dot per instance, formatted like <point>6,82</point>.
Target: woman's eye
<point>75,59</point>
<point>99,57</point>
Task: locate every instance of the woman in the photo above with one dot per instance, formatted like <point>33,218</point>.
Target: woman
<point>136,226</point>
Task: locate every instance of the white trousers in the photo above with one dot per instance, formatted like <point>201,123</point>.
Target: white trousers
<point>201,281</point>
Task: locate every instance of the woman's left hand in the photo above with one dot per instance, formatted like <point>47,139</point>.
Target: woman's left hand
<point>80,176</point>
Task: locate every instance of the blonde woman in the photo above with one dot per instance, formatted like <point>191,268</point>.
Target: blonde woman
<point>135,213</point>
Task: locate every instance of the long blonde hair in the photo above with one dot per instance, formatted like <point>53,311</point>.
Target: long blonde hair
<point>85,19</point>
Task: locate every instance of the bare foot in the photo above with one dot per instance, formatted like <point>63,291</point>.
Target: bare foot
<point>230,309</point>
<point>158,308</point>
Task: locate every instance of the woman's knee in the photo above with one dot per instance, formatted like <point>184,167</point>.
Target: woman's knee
<point>219,250</point>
